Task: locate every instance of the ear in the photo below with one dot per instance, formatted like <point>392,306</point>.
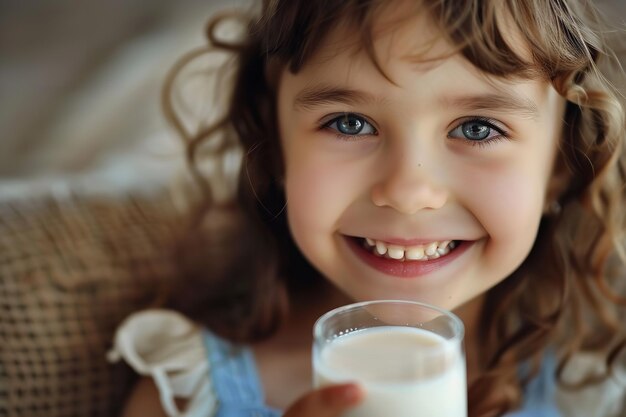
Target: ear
<point>557,184</point>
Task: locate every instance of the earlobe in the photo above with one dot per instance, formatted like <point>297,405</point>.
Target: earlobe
<point>552,208</point>
<point>557,185</point>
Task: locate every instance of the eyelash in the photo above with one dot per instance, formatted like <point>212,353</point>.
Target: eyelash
<point>342,136</point>
<point>492,124</point>
<point>488,122</point>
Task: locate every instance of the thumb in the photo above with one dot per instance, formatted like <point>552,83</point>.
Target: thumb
<point>330,401</point>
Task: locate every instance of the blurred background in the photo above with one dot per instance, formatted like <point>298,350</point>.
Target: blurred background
<point>80,84</point>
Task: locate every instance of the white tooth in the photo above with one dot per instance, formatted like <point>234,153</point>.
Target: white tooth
<point>381,248</point>
<point>443,251</point>
<point>443,244</point>
<point>452,245</point>
<point>370,242</point>
<point>415,253</point>
<point>431,249</point>
<point>434,256</point>
<point>395,252</point>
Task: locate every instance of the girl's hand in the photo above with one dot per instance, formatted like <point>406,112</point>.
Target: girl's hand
<point>330,401</point>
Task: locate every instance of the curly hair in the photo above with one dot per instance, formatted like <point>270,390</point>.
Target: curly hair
<point>238,259</point>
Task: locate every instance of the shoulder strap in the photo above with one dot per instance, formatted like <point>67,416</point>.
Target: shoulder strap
<point>539,395</point>
<point>235,380</point>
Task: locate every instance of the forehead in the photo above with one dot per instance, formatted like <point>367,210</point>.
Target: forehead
<point>402,49</point>
<point>402,30</point>
<point>419,70</point>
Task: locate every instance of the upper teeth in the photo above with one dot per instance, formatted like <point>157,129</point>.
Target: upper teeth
<point>427,251</point>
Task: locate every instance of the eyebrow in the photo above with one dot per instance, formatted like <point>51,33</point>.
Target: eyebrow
<point>320,95</point>
<point>323,94</point>
<point>501,103</point>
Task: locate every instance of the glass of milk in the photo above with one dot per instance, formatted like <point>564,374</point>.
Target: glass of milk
<point>407,356</point>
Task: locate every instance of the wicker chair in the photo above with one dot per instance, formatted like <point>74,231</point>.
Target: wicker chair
<point>70,270</point>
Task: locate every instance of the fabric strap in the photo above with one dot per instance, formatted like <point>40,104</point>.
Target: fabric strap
<point>235,380</point>
<point>539,393</point>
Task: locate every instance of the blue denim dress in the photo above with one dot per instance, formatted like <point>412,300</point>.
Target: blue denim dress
<point>238,389</point>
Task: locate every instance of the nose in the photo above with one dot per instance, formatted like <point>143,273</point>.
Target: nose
<point>409,186</point>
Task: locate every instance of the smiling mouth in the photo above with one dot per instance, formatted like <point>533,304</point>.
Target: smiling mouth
<point>424,252</point>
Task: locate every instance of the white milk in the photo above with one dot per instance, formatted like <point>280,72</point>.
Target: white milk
<point>399,371</point>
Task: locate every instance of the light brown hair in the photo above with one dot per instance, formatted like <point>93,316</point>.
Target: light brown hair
<point>238,259</point>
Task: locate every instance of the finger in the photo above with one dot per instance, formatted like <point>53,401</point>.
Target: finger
<point>329,401</point>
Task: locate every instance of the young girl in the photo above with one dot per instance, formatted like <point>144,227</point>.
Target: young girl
<point>467,154</point>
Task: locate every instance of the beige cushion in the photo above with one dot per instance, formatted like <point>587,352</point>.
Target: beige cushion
<point>71,269</point>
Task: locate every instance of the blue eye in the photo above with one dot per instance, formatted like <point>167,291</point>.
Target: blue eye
<point>350,124</point>
<point>477,130</point>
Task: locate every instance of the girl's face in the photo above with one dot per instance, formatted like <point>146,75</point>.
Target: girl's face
<point>442,169</point>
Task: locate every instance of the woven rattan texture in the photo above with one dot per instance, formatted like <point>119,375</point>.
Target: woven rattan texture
<point>70,271</point>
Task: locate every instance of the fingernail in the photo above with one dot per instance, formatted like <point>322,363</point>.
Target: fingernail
<point>351,394</point>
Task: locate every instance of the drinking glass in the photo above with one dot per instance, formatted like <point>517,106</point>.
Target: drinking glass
<point>407,356</point>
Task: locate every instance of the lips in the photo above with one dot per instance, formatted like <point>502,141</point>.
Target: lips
<point>404,268</point>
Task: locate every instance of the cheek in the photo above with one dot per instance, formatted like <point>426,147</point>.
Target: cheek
<point>507,201</point>
<point>512,206</point>
<point>317,195</point>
